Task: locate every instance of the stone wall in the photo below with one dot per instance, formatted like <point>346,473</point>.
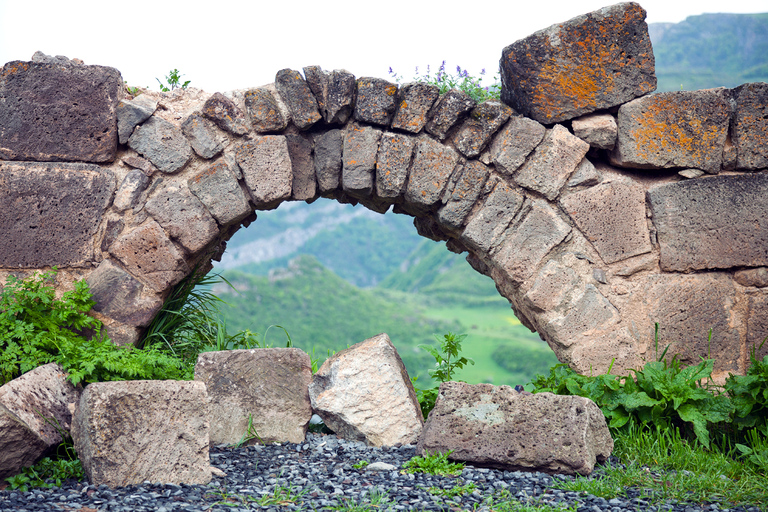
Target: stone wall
<point>597,208</point>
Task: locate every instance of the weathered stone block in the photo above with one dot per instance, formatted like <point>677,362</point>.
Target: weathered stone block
<point>142,164</point>
<point>264,111</point>
<point>463,196</point>
<point>591,62</point>
<point>54,112</point>
<point>750,126</point>
<point>496,426</point>
<point>448,110</point>
<point>266,386</point>
<point>328,157</point>
<point>20,446</point>
<point>414,102</point>
<point>51,212</point>
<point>598,130</point>
<point>266,167</point>
<point>149,255</point>
<point>335,93</point>
<point>131,113</point>
<point>715,222</point>
<point>118,295</point>
<point>590,313</point>
<point>184,217</point>
<point>304,183</point>
<point>585,175</point>
<point>223,111</point>
<point>217,188</point>
<point>612,217</point>
<point>376,101</point>
<point>363,393</point>
<point>757,326</point>
<point>757,277</point>
<point>487,226</point>
<point>161,143</point>
<point>478,128</point>
<point>203,135</point>
<point>127,196</point>
<point>551,286</point>
<point>674,129</point>
<point>395,151</point>
<point>514,143</point>
<point>299,98</point>
<point>130,432</point>
<point>552,162</point>
<point>361,144</point>
<point>432,166</point>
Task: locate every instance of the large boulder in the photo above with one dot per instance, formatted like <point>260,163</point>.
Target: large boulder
<point>265,388</point>
<point>364,394</point>
<point>594,61</point>
<point>495,426</point>
<point>128,432</point>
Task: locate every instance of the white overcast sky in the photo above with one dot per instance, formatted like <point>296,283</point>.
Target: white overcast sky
<point>228,44</point>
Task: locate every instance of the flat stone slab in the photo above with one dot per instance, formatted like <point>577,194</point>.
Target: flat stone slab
<point>266,386</point>
<point>594,61</point>
<point>52,112</point>
<point>51,212</point>
<point>495,426</point>
<point>715,222</point>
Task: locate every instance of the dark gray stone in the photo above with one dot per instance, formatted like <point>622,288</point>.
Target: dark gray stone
<point>750,126</point>
<point>118,295</point>
<point>464,195</point>
<point>514,143</point>
<point>53,112</point>
<point>317,80</point>
<point>376,101</point>
<point>220,192</point>
<point>183,216</point>
<point>51,213</point>
<point>414,101</point>
<point>361,144</point>
<point>131,113</point>
<point>304,182</point>
<point>139,163</point>
<point>161,143</point>
<point>223,111</point>
<point>585,175</point>
<point>486,227</point>
<point>203,135</point>
<point>392,162</point>
<point>335,93</point>
<point>715,222</point>
<point>328,153</point>
<point>299,98</point>
<point>134,183</point>
<point>478,128</point>
<point>264,111</point>
<point>592,62</point>
<point>448,110</point>
<point>432,166</point>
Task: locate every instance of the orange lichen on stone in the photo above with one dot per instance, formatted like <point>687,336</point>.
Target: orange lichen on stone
<point>13,68</point>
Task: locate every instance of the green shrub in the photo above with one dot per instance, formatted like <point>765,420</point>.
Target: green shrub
<point>750,395</point>
<point>447,360</point>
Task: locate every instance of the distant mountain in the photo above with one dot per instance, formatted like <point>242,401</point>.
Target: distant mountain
<point>710,50</point>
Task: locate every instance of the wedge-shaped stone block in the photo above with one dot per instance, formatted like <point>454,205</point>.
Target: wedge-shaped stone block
<point>223,111</point>
<point>527,243</point>
<point>432,166</point>
<point>514,143</point>
<point>392,162</point>
<point>298,97</point>
<point>361,144</point>
<point>589,313</point>
<point>127,196</point>
<point>304,186</point>
<point>750,126</point>
<point>415,100</point>
<point>118,295</point>
<point>328,158</point>
<point>674,129</point>
<point>552,163</point>
<point>264,111</point>
<point>495,426</point>
<point>591,62</point>
<point>465,193</point>
<point>51,212</point>
<point>204,136</point>
<point>335,93</point>
<point>183,216</point>
<point>161,143</point>
<point>551,286</point>
<point>217,189</point>
<point>479,126</point>
<point>266,387</point>
<point>131,113</point>
<point>53,112</point>
<point>266,167</point>
<point>598,130</point>
<point>30,407</point>
<point>715,222</point>
<point>448,110</point>
<point>130,432</point>
<point>149,255</point>
<point>486,227</point>
<point>376,101</point>
<point>612,217</point>
<point>364,394</point>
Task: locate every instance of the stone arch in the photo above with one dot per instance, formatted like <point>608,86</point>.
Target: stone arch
<point>589,247</point>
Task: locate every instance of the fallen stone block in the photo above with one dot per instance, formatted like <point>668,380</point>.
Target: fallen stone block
<point>363,393</point>
<point>263,387</point>
<point>497,427</point>
<point>20,446</point>
<point>128,432</point>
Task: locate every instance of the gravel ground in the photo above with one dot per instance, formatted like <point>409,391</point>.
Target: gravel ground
<point>319,475</point>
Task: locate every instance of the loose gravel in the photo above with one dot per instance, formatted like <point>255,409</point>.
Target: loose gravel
<point>319,475</point>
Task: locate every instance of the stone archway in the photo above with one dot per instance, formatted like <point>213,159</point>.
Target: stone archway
<point>590,248</point>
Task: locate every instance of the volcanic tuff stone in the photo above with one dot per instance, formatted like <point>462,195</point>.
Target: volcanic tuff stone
<point>217,188</point>
<point>477,129</point>
<point>266,167</point>
<point>414,101</point>
<point>304,186</point>
<point>264,389</point>
<point>363,393</point>
<point>757,323</point>
<point>20,446</point>
<point>335,93</point>
<point>750,125</point>
<point>184,217</point>
<point>752,277</point>
<point>361,144</point>
<point>496,426</point>
<point>118,295</point>
<point>55,112</point>
<point>328,157</point>
<point>299,98</point>
<point>127,196</point>
<point>432,166</point>
<point>586,175</point>
<point>129,432</point>
<point>464,195</point>
<point>590,313</point>
<point>376,101</point>
<point>447,111</point>
<point>715,222</point>
<point>514,143</point>
<point>203,135</point>
<point>598,130</point>
<point>131,113</point>
<point>552,284</point>
<point>161,143</point>
<point>591,62</point>
<point>264,111</point>
<point>486,227</point>
<point>674,129</point>
<point>51,212</point>
<point>223,111</point>
<point>395,151</point>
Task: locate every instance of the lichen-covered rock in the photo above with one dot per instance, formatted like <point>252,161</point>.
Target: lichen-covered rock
<point>376,101</point>
<point>750,126</point>
<point>223,111</point>
<point>298,97</point>
<point>392,162</point>
<point>414,102</point>
<point>479,126</point>
<point>264,111</point>
<point>432,166</point>
<point>592,62</point>
<point>447,111</point>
